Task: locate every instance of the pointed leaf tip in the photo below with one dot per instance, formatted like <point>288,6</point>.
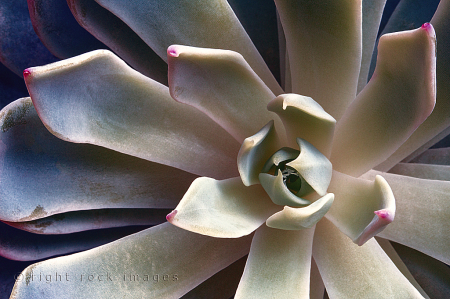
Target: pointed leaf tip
<point>172,51</point>
<point>171,215</point>
<point>26,73</point>
<point>385,214</point>
<point>429,28</point>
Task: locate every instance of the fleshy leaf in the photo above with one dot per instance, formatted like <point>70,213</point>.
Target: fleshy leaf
<point>301,218</point>
<point>356,202</point>
<point>149,264</point>
<point>278,265</point>
<point>407,15</point>
<point>423,210</point>
<point>223,209</point>
<point>316,287</point>
<point>222,284</point>
<point>77,221</point>
<point>393,255</point>
<point>58,30</point>
<point>432,275</point>
<point>313,166</point>
<point>362,271</point>
<point>436,126</point>
<point>440,156</point>
<point>304,118</point>
<point>20,245</point>
<point>198,23</point>
<point>398,98</point>
<point>371,16</point>
<point>423,171</point>
<point>221,84</point>
<point>96,98</point>
<point>20,47</point>
<point>57,176</point>
<point>262,29</point>
<point>324,52</point>
<point>112,31</point>
<point>254,153</point>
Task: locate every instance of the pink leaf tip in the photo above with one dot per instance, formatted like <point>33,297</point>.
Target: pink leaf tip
<point>171,215</point>
<point>385,214</point>
<point>172,51</point>
<point>384,217</point>
<point>428,28</point>
<point>26,73</point>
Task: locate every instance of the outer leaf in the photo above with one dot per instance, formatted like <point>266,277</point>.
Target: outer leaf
<point>407,15</point>
<point>24,246</point>
<point>278,265</point>
<point>372,10</point>
<point>196,23</point>
<point>78,221</point>
<point>317,288</point>
<point>262,27</point>
<point>362,208</point>
<point>423,171</point>
<point>57,176</point>
<point>160,262</point>
<point>393,255</point>
<point>433,275</point>
<point>224,209</point>
<point>351,271</point>
<point>423,210</point>
<point>437,124</point>
<point>324,52</point>
<point>440,156</point>
<point>96,98</point>
<point>399,97</point>
<point>58,30</point>
<point>112,31</point>
<point>222,85</point>
<point>19,45</point>
<point>221,285</point>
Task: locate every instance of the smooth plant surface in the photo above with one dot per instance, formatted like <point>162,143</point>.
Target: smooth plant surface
<point>225,152</point>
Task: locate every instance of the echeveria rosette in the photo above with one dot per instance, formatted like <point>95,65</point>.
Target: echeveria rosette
<point>54,90</point>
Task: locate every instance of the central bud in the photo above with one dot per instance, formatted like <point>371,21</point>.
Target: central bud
<point>291,178</point>
<point>295,178</point>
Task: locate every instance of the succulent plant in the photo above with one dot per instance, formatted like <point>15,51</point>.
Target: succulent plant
<point>312,175</point>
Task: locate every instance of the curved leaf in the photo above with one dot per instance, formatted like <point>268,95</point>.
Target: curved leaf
<point>57,176</point>
<point>58,30</point>
<point>278,265</point>
<point>197,23</point>
<point>151,263</point>
<point>324,52</point>
<point>96,98</point>
<point>223,209</point>
<point>222,85</point>
<point>398,98</point>
<point>349,270</point>
<point>109,29</point>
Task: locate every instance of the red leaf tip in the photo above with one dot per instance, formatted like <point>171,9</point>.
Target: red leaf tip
<point>26,73</point>
<point>171,215</point>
